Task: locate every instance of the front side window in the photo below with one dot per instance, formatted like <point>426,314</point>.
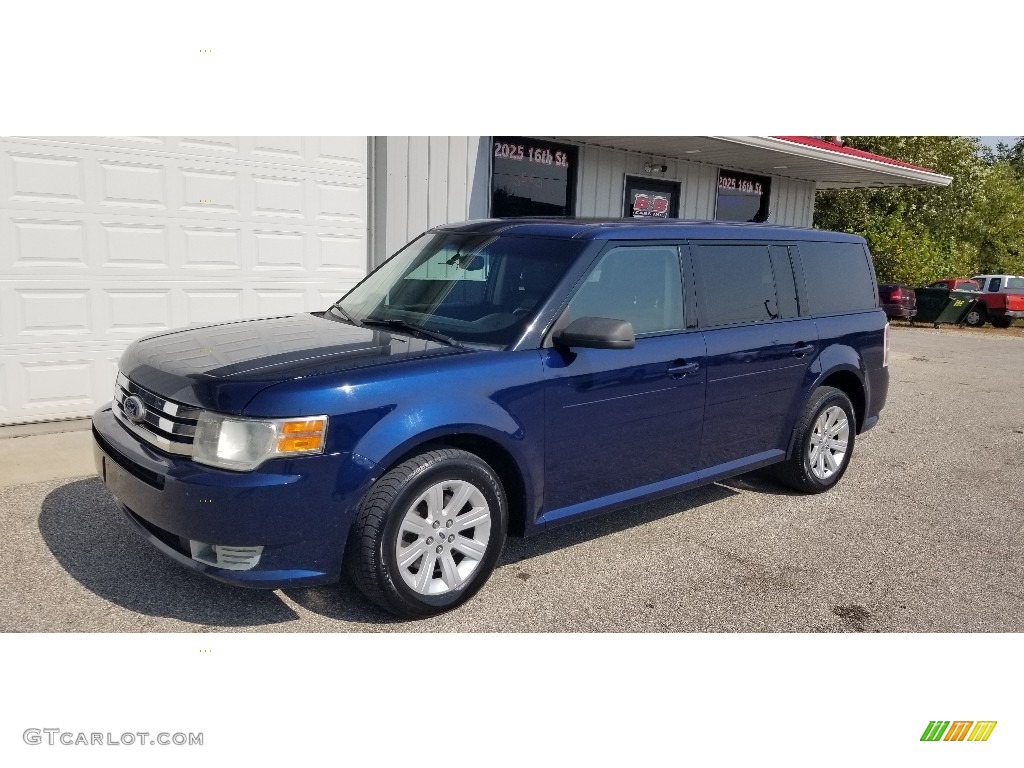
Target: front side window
<point>640,284</point>
<point>736,284</point>
<point>480,289</point>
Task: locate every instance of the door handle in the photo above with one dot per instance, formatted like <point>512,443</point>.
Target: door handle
<point>681,370</point>
<point>802,349</point>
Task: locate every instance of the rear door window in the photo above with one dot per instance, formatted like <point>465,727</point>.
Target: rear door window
<point>736,284</point>
<point>838,277</point>
<point>993,284</point>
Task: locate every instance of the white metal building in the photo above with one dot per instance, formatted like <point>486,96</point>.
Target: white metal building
<point>103,240</point>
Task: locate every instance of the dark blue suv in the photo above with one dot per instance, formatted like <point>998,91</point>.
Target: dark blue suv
<point>494,377</point>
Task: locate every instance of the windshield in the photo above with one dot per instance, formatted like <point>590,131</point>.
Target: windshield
<point>476,289</point>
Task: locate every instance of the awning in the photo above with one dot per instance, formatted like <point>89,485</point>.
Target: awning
<point>828,165</point>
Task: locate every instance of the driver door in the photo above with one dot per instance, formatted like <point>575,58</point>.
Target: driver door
<point>618,419</point>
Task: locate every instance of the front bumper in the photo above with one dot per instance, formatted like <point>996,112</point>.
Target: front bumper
<point>298,510</point>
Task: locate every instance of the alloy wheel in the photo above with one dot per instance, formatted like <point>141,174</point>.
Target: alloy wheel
<point>443,537</point>
<point>829,442</point>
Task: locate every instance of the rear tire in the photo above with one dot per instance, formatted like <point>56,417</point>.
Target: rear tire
<point>428,533</point>
<point>1001,322</point>
<point>822,443</point>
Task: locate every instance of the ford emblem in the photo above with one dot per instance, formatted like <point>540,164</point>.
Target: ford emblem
<point>135,409</point>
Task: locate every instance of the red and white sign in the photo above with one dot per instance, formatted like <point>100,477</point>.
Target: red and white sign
<point>648,205</point>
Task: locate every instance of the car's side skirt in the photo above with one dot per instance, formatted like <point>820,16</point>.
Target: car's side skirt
<point>609,503</point>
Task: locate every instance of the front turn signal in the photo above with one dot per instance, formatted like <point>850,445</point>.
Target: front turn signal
<point>302,436</point>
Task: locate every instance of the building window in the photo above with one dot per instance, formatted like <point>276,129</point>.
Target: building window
<point>532,178</point>
<point>650,198</point>
<point>742,197</point>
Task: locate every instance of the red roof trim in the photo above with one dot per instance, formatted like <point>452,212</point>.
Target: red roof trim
<point>809,141</point>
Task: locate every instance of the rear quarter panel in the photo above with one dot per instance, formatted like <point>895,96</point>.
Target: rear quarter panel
<point>856,343</point>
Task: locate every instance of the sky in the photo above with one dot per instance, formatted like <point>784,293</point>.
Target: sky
<point>993,140</point>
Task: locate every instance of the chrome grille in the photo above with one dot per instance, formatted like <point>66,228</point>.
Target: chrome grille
<point>168,425</point>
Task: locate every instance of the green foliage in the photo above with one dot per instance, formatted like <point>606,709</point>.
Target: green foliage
<point>1009,153</point>
<point>918,235</point>
<point>1001,209</point>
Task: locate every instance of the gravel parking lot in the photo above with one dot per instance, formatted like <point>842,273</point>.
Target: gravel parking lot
<point>924,533</point>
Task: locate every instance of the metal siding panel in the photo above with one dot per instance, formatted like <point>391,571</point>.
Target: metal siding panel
<point>586,192</point>
<point>615,191</point>
<point>778,203</point>
<point>707,187</point>
<point>419,189</point>
<point>398,193</point>
<point>808,214</point>
<point>437,182</point>
<point>673,169</point>
<point>688,203</point>
<point>604,180</point>
<point>458,190</point>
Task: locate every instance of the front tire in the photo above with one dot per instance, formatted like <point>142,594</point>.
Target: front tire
<point>428,534</point>
<point>822,443</point>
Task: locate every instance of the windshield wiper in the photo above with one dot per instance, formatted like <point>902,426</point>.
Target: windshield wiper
<point>415,330</point>
<point>345,315</point>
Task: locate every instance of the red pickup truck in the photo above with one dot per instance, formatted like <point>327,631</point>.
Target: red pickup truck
<point>1000,302</point>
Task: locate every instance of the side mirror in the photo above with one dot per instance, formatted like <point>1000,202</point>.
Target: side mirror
<point>596,333</point>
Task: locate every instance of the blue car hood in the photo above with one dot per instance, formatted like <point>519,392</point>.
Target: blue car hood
<point>221,367</point>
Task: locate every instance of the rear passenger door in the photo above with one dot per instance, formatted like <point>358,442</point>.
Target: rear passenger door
<point>758,346</point>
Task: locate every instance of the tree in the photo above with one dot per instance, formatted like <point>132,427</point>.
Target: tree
<point>1013,154</point>
<point>916,234</point>
<point>1001,216</point>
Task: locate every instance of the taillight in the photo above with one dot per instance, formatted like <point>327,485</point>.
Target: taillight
<point>896,295</point>
<point>885,348</point>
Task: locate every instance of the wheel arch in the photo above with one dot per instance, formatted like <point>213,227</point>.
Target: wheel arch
<point>851,385</point>
<point>497,456</point>
<point>848,380</point>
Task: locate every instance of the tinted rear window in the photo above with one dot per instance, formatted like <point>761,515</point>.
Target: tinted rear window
<point>736,284</point>
<point>838,278</point>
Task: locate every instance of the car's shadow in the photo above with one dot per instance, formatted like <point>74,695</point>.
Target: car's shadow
<point>760,481</point>
<point>82,526</point>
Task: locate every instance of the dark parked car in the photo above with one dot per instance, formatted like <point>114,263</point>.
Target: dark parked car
<point>493,377</point>
<point>898,301</point>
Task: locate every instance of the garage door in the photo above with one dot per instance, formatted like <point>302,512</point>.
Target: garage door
<point>103,240</point>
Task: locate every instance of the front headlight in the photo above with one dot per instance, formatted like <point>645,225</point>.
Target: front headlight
<point>230,442</point>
